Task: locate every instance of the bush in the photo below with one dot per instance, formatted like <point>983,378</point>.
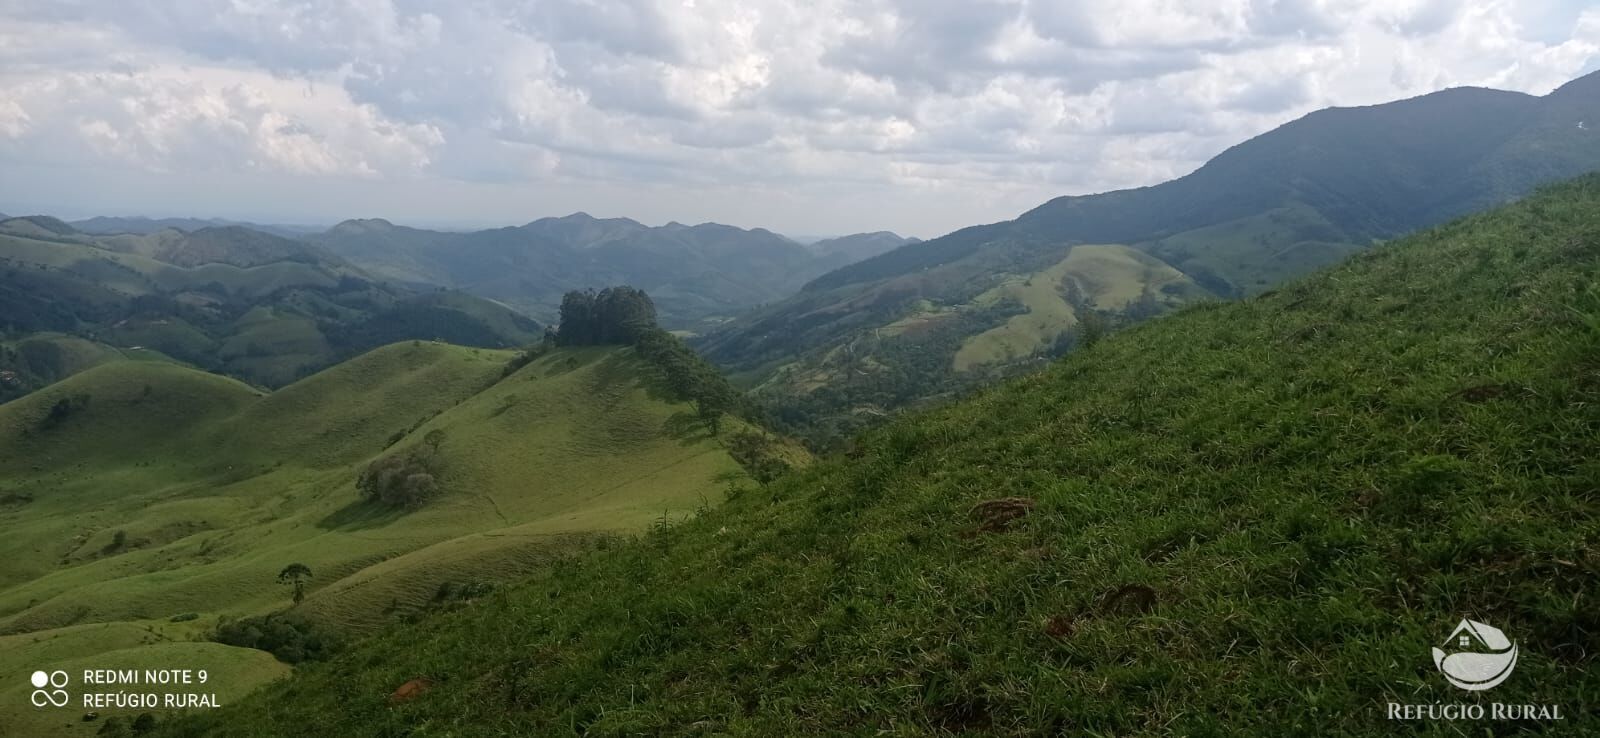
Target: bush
<point>291,640</point>
<point>405,479</point>
<point>65,408</point>
<point>759,456</point>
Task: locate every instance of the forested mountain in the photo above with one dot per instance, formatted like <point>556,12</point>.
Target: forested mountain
<point>246,303</point>
<point>1204,525</point>
<point>698,275</point>
<point>933,316</point>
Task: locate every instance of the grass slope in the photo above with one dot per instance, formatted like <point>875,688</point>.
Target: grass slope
<point>215,487</point>
<point>1091,277</point>
<point>1248,519</point>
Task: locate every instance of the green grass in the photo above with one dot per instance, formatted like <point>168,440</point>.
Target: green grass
<point>1099,277</point>
<point>1248,255</point>
<point>40,359</point>
<point>1248,519</point>
<point>216,486</point>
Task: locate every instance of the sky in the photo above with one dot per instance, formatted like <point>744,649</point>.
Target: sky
<point>814,117</point>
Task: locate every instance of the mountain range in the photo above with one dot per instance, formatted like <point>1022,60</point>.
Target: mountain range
<point>698,275</point>
<point>256,306</point>
<point>938,315</point>
<point>140,225</point>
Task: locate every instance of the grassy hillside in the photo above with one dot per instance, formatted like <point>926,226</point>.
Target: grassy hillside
<point>1244,519</point>
<point>40,359</point>
<point>262,308</point>
<point>140,491</point>
<point>1275,207</point>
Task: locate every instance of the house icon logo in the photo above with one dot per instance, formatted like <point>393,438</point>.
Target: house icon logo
<point>1482,656</point>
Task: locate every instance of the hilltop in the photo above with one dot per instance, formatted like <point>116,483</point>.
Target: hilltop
<point>942,315</point>
<point>1247,518</point>
<point>262,308</point>
<point>698,275</point>
<point>121,539</point>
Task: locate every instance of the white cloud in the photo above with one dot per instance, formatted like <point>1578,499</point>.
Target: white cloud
<point>811,115</point>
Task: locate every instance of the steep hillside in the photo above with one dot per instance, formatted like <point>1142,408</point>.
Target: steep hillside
<point>113,518</point>
<point>1243,519</point>
<point>698,275</point>
<point>265,309</point>
<point>1272,208</point>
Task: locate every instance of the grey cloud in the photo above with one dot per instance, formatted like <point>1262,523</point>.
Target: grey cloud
<point>961,104</point>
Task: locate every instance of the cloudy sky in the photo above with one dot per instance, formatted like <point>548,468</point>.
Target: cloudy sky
<point>805,116</point>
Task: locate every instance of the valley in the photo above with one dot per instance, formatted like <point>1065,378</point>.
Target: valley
<point>1279,501</point>
<point>167,498</point>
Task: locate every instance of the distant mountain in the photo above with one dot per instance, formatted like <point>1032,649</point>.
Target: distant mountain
<point>235,245</point>
<point>140,225</point>
<point>850,249</point>
<point>238,301</point>
<point>698,275</point>
<point>897,326</point>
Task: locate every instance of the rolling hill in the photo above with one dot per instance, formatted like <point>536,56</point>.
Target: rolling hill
<point>140,225</point>
<point>1297,198</point>
<point>252,305</point>
<point>124,546</point>
<point>698,275</point>
<point>1247,518</point>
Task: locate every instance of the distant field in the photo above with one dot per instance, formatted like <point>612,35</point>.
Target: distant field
<point>212,487</point>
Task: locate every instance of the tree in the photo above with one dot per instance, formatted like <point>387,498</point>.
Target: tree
<point>614,315</point>
<point>296,574</point>
<point>577,319</point>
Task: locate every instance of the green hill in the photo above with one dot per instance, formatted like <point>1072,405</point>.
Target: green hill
<point>140,491</point>
<point>259,307</point>
<point>1272,208</point>
<point>1251,518</point>
<point>40,359</point>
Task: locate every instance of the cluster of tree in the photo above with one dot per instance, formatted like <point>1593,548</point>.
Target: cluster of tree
<point>611,316</point>
<point>406,479</point>
<point>692,378</point>
<point>291,640</point>
<point>626,315</point>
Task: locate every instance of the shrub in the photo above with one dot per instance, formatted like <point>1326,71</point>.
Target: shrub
<point>291,640</point>
<point>65,408</point>
<point>404,479</point>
